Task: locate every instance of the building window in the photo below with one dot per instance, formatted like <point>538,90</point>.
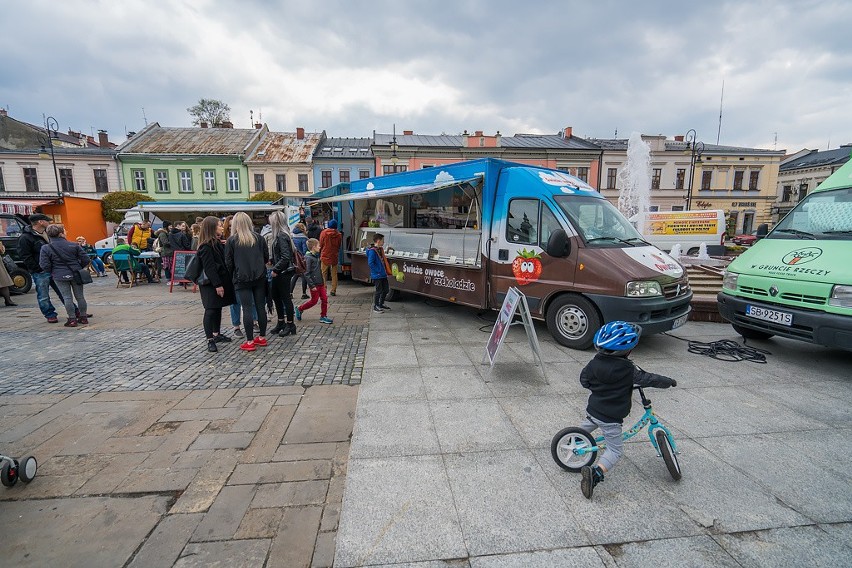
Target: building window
<point>280,183</point>
<point>259,182</point>
<point>209,180</point>
<point>101,185</point>
<point>233,181</point>
<point>610,177</point>
<point>583,174</point>
<point>424,166</point>
<point>185,177</point>
<point>677,207</point>
<point>679,178</point>
<point>2,183</point>
<point>653,208</point>
<point>303,182</point>
<point>655,178</point>
<point>386,170</point>
<point>326,178</point>
<point>162,180</point>
<point>30,179</point>
<point>139,180</point>
<point>706,176</point>
<point>787,193</point>
<point>344,176</point>
<point>363,174</point>
<point>803,190</point>
<point>752,180</point>
<point>738,180</point>
<point>66,180</point>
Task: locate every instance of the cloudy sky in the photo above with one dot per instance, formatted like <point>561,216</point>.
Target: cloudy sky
<point>439,66</point>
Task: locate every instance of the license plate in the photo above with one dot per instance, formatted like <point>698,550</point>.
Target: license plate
<point>784,318</point>
<point>680,321</point>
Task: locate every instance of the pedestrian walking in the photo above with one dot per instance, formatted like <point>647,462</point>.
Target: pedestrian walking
<point>379,271</point>
<point>32,239</point>
<point>281,256</point>
<point>300,241</point>
<point>63,259</point>
<point>246,256</point>
<point>315,283</point>
<point>330,241</point>
<point>218,289</point>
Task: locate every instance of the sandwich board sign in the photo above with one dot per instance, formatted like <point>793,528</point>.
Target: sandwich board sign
<point>180,260</point>
<point>514,302</point>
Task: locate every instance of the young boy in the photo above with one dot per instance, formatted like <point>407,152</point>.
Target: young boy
<point>611,376</point>
<point>313,276</point>
<point>379,272</point>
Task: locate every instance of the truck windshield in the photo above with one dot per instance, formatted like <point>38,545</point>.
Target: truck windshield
<point>598,222</point>
<point>822,215</point>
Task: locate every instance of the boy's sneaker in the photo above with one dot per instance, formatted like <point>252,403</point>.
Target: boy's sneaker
<point>248,346</point>
<point>298,313</point>
<point>238,332</point>
<point>384,307</point>
<point>259,341</point>
<point>378,310</point>
<point>325,319</point>
<point>592,475</point>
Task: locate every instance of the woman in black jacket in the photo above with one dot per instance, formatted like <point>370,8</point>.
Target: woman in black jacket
<point>178,239</point>
<point>246,255</point>
<point>219,291</point>
<point>281,255</point>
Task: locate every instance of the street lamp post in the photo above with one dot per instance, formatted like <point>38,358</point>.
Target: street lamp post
<point>50,124</point>
<point>394,147</point>
<point>696,149</point>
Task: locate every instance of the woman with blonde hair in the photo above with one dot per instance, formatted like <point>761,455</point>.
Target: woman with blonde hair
<point>281,256</point>
<point>246,256</point>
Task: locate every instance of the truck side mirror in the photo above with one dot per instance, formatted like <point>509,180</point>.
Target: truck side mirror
<point>558,245</point>
<point>762,230</point>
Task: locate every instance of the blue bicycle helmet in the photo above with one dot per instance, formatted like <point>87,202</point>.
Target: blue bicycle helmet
<point>617,336</point>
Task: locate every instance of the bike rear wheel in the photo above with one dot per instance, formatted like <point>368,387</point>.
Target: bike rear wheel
<point>668,454</point>
<point>565,442</point>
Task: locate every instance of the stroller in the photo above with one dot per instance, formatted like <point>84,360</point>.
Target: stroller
<point>11,470</point>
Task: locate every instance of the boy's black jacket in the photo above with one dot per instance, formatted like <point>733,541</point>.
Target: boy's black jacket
<point>611,379</point>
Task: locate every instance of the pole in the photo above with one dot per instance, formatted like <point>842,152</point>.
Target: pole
<point>51,122</point>
<point>690,142</point>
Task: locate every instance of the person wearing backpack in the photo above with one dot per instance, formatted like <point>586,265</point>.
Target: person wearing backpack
<point>281,256</point>
<point>300,242</point>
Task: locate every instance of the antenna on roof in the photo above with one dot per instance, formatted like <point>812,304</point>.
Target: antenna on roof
<point>721,100</point>
<point>145,118</point>
<point>251,118</point>
<point>616,133</point>
<point>775,144</point>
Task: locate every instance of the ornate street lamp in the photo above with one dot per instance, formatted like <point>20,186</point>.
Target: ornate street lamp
<point>394,147</point>
<point>47,140</point>
<point>696,149</point>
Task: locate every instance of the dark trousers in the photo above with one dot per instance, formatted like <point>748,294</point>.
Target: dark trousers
<point>281,296</point>
<point>212,322</point>
<point>304,283</point>
<point>382,289</point>
<point>250,297</point>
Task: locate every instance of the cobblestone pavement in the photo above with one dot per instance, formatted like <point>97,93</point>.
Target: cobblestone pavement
<point>153,452</point>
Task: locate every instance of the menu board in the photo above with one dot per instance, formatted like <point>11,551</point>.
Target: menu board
<point>180,260</point>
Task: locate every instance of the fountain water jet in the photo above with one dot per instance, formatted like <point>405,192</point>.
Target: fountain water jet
<point>634,179</point>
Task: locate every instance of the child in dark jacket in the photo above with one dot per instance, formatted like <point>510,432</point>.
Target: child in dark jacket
<point>378,272</point>
<point>611,377</point>
<point>313,275</point>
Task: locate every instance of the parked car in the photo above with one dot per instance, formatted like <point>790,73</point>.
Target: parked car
<point>745,240</point>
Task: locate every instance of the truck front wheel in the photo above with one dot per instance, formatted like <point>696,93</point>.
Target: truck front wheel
<point>751,333</point>
<point>573,321</point>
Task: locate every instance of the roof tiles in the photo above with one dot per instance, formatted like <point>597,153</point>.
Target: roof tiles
<point>285,147</point>
<point>190,141</point>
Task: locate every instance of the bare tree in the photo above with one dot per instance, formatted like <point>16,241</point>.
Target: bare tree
<point>212,111</point>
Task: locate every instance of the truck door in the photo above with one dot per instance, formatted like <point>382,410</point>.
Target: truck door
<point>520,259</point>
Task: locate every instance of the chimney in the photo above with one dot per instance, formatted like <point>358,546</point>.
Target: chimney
<point>300,133</point>
<point>3,112</point>
<point>227,124</point>
<point>498,137</point>
<point>203,124</point>
<point>103,139</point>
<point>566,132</point>
<point>478,133</point>
<point>258,126</point>
<point>679,138</point>
<point>408,133</point>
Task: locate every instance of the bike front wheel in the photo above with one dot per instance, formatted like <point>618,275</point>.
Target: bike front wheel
<point>668,454</point>
<point>564,445</point>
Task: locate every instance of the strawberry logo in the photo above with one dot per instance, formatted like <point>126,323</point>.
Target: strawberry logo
<point>526,267</point>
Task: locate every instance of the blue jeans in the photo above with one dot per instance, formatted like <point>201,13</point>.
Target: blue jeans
<point>42,286</point>
<point>98,264</point>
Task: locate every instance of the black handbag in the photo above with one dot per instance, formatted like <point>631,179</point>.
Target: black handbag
<point>78,275</point>
<point>194,270</point>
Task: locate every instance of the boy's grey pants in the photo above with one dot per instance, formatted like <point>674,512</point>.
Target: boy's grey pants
<point>612,436</point>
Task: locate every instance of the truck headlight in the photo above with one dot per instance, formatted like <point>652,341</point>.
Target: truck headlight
<point>729,281</point>
<point>841,296</point>
<point>644,289</point>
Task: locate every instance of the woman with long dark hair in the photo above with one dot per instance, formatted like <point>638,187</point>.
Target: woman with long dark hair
<point>281,255</point>
<point>218,291</point>
<point>246,256</point>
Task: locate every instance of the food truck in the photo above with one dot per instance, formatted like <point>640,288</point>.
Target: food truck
<point>469,231</point>
<point>796,282</point>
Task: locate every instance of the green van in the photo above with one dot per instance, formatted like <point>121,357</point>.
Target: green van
<point>797,281</point>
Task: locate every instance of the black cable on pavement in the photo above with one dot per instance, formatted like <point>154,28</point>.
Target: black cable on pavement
<point>727,350</point>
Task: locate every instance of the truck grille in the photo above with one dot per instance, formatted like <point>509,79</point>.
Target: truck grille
<point>803,298</point>
<point>675,289</point>
<point>755,291</point>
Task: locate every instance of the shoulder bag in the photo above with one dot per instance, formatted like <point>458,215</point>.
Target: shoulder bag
<point>78,275</point>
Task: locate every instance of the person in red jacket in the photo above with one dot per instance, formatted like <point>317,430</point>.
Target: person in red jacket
<point>330,240</point>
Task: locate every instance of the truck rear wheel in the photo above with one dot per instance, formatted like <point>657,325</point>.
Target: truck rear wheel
<point>751,333</point>
<point>22,281</point>
<point>573,321</point>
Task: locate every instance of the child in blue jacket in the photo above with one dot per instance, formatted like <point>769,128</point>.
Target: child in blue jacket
<point>378,272</point>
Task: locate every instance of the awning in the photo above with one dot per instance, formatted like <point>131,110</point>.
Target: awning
<point>23,206</point>
<point>401,190</point>
<point>200,206</point>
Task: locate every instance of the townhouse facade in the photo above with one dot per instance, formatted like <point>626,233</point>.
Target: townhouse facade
<point>341,160</point>
<point>802,172</point>
<point>189,164</point>
<point>283,162</point>
<point>740,181</point>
